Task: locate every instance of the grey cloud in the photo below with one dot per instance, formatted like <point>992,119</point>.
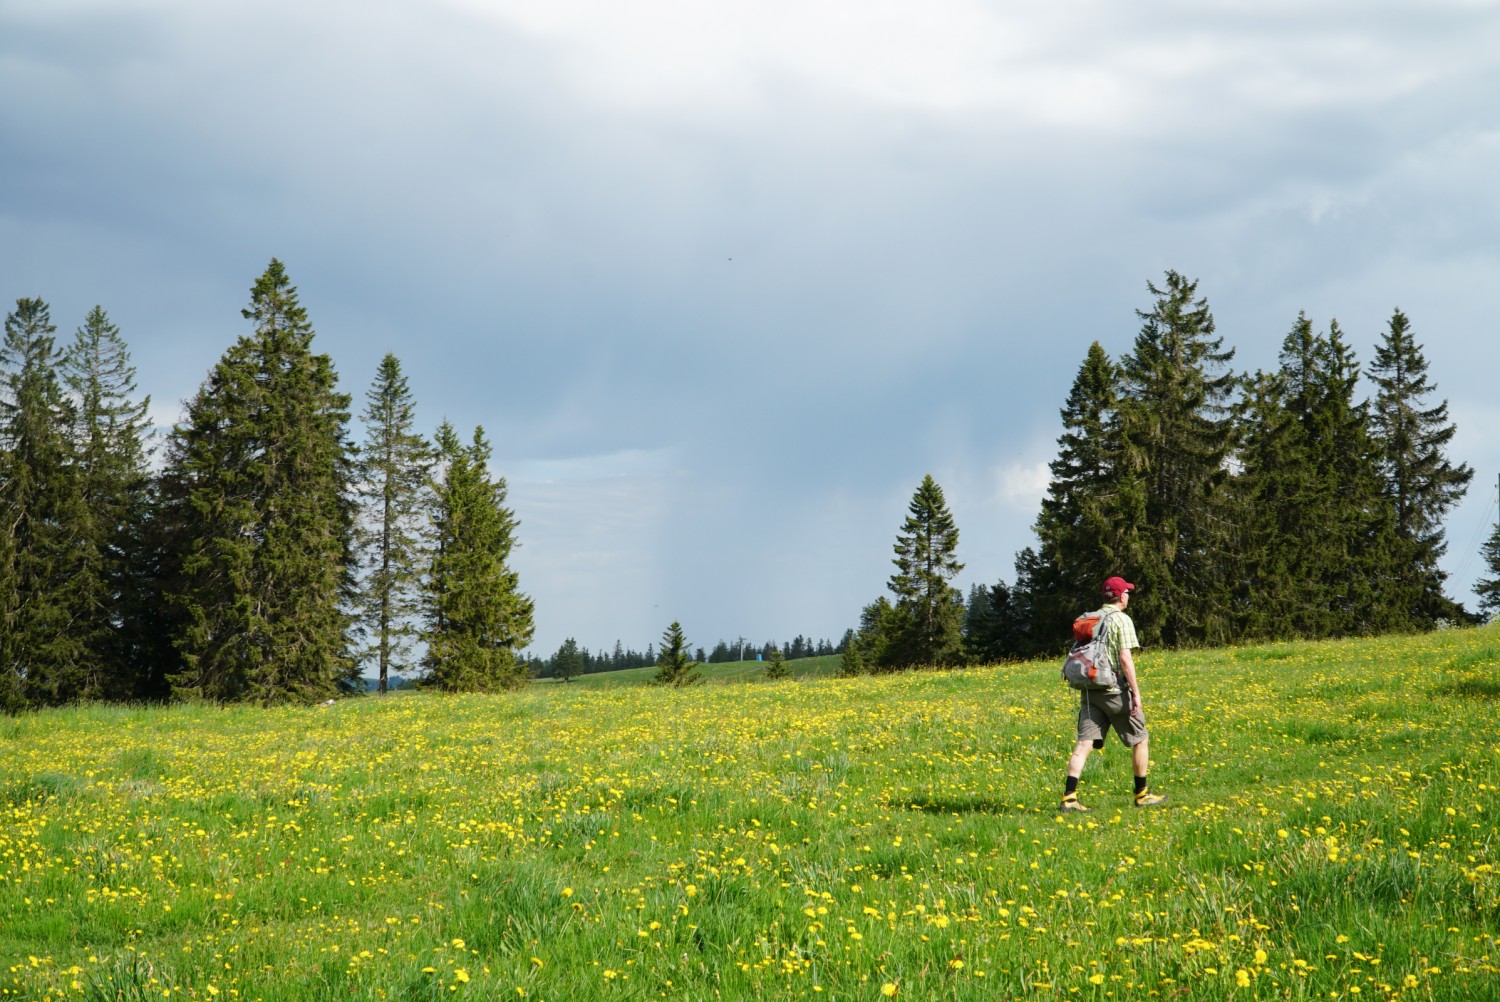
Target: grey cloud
<point>911,288</point>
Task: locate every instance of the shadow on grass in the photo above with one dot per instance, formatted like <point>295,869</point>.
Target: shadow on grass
<point>964,805</point>
<point>1472,688</point>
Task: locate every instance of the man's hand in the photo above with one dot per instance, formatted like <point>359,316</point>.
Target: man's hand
<point>1135,708</point>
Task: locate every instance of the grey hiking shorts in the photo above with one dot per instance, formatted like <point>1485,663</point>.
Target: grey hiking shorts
<point>1099,711</point>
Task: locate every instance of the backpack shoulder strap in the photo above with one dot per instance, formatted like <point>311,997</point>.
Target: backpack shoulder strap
<point>1099,626</point>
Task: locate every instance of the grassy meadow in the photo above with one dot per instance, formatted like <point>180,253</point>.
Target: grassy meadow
<point>1331,833</point>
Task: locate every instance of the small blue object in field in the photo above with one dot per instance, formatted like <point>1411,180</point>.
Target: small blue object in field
<point>757,657</point>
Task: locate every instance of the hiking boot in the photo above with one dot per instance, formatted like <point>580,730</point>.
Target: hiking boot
<point>1148,799</point>
<point>1071,804</point>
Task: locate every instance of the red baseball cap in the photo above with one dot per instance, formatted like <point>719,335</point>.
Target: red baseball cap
<point>1117,586</point>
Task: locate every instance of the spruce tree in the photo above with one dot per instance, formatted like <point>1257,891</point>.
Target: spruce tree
<point>1418,478</point>
<point>852,663</point>
<point>1488,589</point>
<point>257,499</point>
<point>392,479</point>
<point>776,668</point>
<point>1269,491</point>
<point>930,610</point>
<point>1315,539</point>
<point>1175,434</point>
<point>477,619</point>
<point>45,602</point>
<point>977,616</point>
<point>111,446</point>
<point>878,634</point>
<point>567,663</point>
<point>1363,554</point>
<point>1077,529</point>
<point>673,666</point>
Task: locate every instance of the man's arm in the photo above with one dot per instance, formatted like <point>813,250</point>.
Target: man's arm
<point>1127,667</point>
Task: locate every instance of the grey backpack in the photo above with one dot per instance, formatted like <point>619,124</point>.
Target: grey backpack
<point>1087,664</point>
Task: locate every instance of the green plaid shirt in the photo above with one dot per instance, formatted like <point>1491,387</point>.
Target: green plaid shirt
<point>1119,636</point>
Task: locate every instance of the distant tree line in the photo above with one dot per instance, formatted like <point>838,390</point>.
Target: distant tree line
<point>265,557</point>
<point>572,660</point>
<point>1276,504</point>
<point>800,646</point>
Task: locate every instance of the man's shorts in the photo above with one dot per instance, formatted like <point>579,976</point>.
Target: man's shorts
<point>1099,711</point>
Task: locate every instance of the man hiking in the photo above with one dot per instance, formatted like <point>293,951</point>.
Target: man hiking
<point>1120,708</point>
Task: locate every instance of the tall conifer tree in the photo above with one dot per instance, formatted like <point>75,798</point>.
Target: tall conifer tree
<point>1364,557</point>
<point>1315,539</point>
<point>477,619</point>
<point>1420,481</point>
<point>1488,588</point>
<point>1077,528</point>
<point>674,666</point>
<point>1176,432</point>
<point>929,609</point>
<point>258,486</point>
<point>1268,490</point>
<point>878,636</point>
<point>44,602</point>
<point>111,437</point>
<point>391,482</point>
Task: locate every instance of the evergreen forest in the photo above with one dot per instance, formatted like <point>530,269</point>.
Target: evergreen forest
<point>256,552</point>
<point>1301,503</point>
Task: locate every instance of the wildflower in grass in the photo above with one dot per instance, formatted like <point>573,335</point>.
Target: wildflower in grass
<point>889,989</point>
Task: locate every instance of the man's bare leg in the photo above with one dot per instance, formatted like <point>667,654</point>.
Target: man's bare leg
<point>1075,769</point>
<point>1140,758</point>
<point>1079,757</point>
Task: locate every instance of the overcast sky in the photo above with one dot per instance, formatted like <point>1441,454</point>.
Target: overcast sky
<point>723,280</point>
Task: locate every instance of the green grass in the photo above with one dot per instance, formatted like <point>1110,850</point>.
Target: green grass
<point>729,671</point>
<point>1331,833</point>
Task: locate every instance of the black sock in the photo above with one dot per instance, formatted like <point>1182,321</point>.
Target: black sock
<point>1072,786</point>
<point>1140,784</point>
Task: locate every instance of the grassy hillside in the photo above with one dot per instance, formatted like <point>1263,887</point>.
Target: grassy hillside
<point>1331,834</point>
<point>729,671</point>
